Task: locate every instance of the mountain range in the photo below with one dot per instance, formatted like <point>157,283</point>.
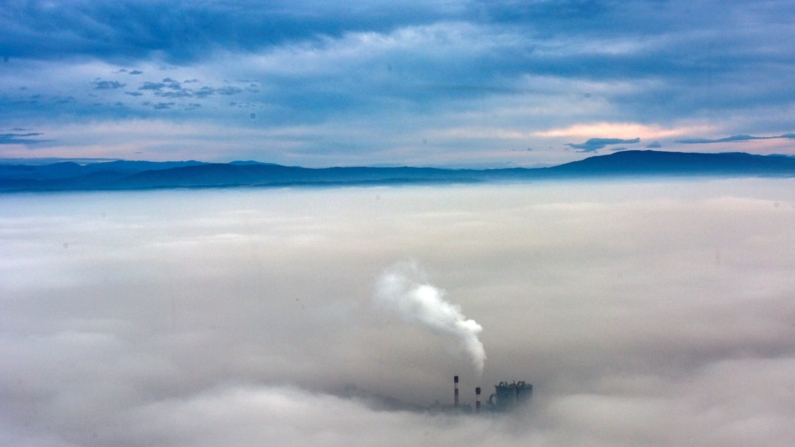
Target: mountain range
<point>131,175</point>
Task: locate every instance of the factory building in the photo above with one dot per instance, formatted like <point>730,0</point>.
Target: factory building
<point>506,397</point>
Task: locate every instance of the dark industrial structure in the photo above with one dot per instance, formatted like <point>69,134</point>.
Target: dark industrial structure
<point>455,381</point>
<point>506,397</point>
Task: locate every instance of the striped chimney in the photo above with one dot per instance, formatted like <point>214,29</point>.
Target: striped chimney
<point>455,380</point>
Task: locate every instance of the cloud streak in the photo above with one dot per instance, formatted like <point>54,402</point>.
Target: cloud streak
<point>20,138</point>
<point>736,138</point>
<point>594,144</point>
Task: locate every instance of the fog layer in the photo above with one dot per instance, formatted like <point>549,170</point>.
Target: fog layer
<point>655,313</point>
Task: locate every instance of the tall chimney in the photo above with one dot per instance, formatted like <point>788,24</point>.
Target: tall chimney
<point>477,400</point>
<point>455,380</point>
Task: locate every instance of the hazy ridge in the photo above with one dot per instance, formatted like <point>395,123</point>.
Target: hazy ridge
<point>131,175</point>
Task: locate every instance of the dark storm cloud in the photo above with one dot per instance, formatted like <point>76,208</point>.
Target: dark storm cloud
<point>594,144</point>
<point>735,138</point>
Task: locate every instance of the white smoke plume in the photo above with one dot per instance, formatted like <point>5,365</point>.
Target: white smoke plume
<point>400,289</point>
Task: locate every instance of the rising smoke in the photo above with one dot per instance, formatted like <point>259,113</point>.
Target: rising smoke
<point>400,289</point>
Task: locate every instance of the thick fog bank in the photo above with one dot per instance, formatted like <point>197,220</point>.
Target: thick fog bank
<point>655,313</point>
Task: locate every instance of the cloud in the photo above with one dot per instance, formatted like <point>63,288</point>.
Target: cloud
<point>67,100</point>
<point>654,145</point>
<point>735,138</point>
<point>107,85</point>
<point>171,88</point>
<point>406,70</point>
<point>173,84</point>
<point>228,90</point>
<point>183,32</point>
<point>204,92</point>
<point>155,86</point>
<point>20,138</point>
<point>594,144</point>
<point>175,94</point>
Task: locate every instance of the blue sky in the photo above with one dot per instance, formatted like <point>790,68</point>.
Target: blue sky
<point>441,83</point>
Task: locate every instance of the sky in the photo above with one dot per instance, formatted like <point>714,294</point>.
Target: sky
<point>384,82</point>
<point>655,313</point>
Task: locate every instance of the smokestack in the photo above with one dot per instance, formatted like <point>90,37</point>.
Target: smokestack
<point>477,400</point>
<point>455,380</point>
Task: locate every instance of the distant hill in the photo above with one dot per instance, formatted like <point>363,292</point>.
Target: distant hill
<point>681,163</point>
<point>130,175</point>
